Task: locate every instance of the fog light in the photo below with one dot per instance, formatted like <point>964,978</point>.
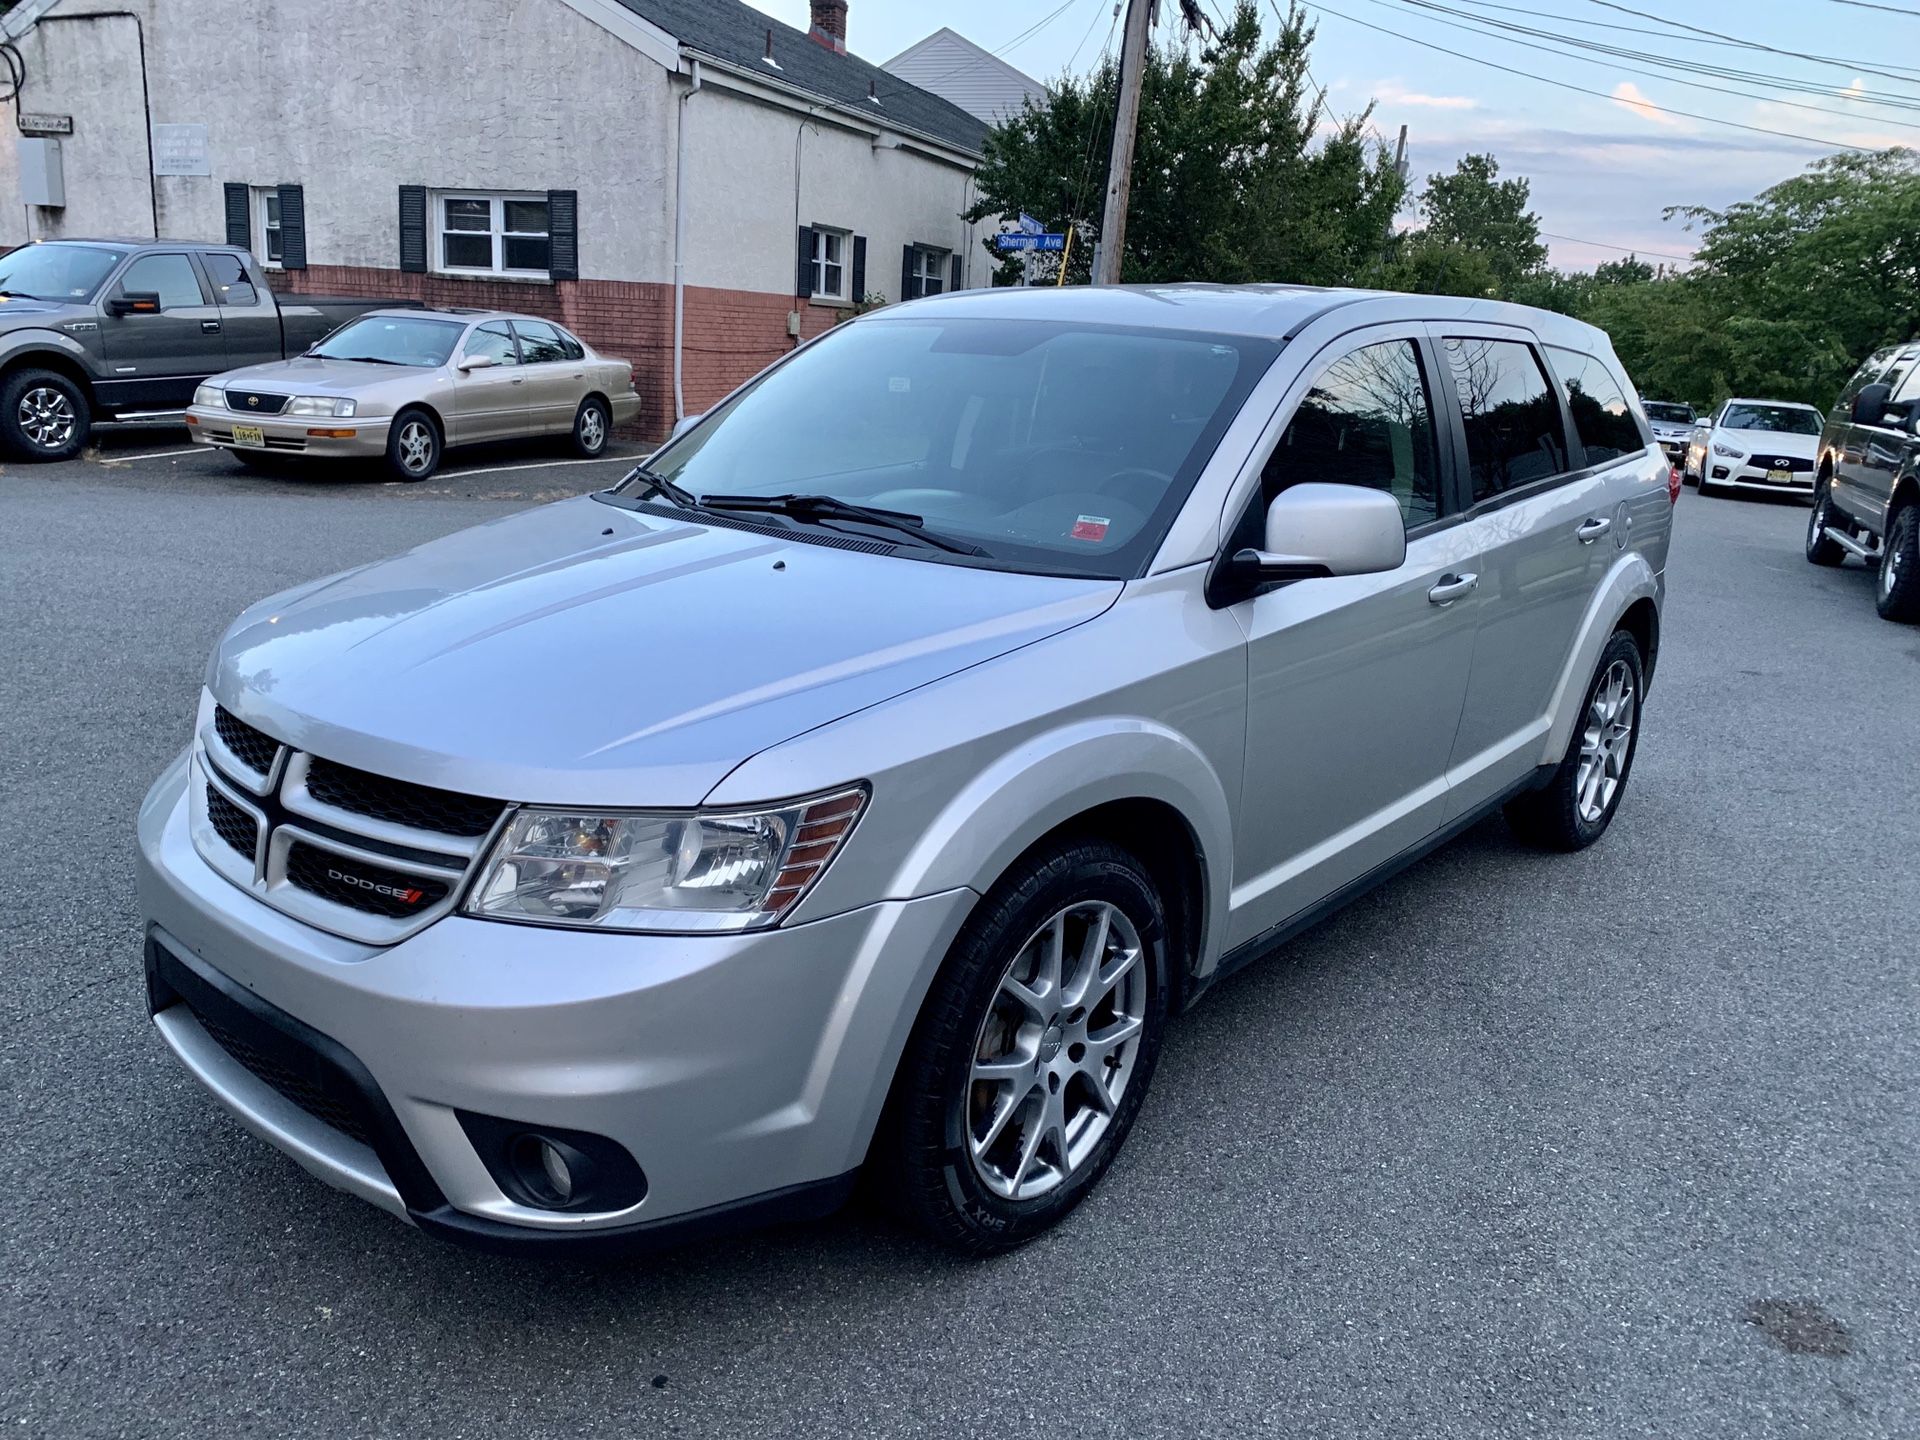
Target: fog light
<point>554,1169</point>
<point>554,1165</point>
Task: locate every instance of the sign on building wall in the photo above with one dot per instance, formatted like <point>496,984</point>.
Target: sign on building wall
<point>32,124</point>
<point>181,150</point>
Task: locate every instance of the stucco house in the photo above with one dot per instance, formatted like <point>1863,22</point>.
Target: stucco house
<point>686,183</point>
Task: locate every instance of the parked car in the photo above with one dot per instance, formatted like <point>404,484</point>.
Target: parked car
<point>1673,425</point>
<point>1760,445</point>
<point>1866,499</point>
<point>406,384</point>
<point>869,781</point>
<point>125,329</point>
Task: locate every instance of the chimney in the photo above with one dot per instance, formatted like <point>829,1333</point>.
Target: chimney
<point>830,24</point>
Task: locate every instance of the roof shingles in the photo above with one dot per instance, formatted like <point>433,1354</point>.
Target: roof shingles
<point>733,31</point>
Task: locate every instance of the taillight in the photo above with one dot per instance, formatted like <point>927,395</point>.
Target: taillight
<point>1673,484</point>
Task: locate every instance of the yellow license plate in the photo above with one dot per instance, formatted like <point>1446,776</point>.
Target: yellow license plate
<point>249,435</point>
<point>1779,477</point>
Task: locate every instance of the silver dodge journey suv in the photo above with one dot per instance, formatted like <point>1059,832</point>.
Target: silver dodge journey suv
<point>866,782</point>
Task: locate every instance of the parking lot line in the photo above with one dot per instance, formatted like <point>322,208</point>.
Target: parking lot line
<point>106,459</point>
<point>537,465</point>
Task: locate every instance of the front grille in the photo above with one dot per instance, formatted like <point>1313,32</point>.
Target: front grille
<point>303,1090</point>
<point>360,886</point>
<point>248,745</point>
<point>233,824</point>
<point>399,802</point>
<point>256,402</point>
<point>1768,462</point>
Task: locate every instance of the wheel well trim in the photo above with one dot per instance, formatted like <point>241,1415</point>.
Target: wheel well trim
<point>1630,582</point>
<point>432,413</point>
<point>50,351</point>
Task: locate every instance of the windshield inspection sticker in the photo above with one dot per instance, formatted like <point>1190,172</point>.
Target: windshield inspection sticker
<point>1089,527</point>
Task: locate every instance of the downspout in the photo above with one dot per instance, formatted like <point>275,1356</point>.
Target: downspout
<point>680,250</point>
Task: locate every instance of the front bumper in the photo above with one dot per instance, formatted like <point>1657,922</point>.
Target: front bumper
<point>1751,476</point>
<point>743,1073</point>
<point>352,438</point>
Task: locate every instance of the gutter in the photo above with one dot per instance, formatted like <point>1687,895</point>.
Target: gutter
<point>680,248</point>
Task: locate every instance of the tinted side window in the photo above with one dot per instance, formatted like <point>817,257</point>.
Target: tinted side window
<point>1512,419</point>
<point>1602,418</point>
<point>540,342</point>
<point>171,277</point>
<point>230,283</point>
<point>1901,366</point>
<point>495,340</point>
<point>1867,374</point>
<point>573,349</point>
<point>1368,421</point>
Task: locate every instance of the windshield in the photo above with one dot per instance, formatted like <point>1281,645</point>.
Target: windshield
<point>57,272</point>
<point>1781,419</point>
<point>1671,414</point>
<point>396,339</point>
<point>1064,449</point>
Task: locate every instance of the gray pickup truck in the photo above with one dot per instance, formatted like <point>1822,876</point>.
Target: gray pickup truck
<point>125,329</point>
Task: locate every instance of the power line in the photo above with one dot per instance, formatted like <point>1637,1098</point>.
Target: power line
<point>1582,89</point>
<point>1623,249</point>
<point>1899,73</point>
<point>1083,41</point>
<point>1870,5</point>
<point>1473,23</point>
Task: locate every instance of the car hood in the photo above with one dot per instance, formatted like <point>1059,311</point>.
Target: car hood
<point>1769,442</point>
<point>310,375</point>
<point>585,654</point>
<point>21,313</point>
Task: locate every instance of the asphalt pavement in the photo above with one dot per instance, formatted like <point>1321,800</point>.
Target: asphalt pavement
<point>1624,1143</point>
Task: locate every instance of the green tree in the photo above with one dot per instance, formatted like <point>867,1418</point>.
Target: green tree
<point>1229,182</point>
<point>1478,236</point>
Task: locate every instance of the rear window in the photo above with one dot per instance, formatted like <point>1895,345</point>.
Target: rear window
<point>1602,418</point>
<point>1512,420</point>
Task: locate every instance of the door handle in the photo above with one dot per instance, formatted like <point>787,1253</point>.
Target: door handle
<point>1452,587</point>
<point>209,327</point>
<point>518,379</point>
<point>1591,530</point>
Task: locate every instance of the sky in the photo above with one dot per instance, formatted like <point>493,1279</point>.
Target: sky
<point>1603,165</point>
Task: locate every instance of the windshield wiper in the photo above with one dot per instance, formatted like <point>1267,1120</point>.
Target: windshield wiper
<point>362,359</point>
<point>660,485</point>
<point>17,295</point>
<point>827,507</point>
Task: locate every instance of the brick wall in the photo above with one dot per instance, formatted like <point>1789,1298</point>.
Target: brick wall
<point>730,334</point>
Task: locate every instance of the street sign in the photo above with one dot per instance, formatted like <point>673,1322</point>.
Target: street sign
<point>1030,226</point>
<point>1015,240</point>
<point>32,124</point>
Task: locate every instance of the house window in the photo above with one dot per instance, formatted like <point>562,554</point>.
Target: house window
<point>492,234</point>
<point>830,264</point>
<point>929,271</point>
<point>266,236</point>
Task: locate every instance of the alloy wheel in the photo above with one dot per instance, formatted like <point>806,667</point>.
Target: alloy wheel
<point>593,428</point>
<point>416,447</point>
<point>1896,546</point>
<point>1056,1051</point>
<point>1605,743</point>
<point>46,417</point>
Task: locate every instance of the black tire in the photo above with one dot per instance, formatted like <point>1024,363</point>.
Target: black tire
<point>43,416</point>
<point>1553,816</point>
<point>1896,590</point>
<point>592,428</point>
<point>414,445</point>
<point>1821,548</point>
<point>924,1157</point>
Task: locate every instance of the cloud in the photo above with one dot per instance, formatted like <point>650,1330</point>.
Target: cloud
<point>1629,96</point>
<point>1392,92</point>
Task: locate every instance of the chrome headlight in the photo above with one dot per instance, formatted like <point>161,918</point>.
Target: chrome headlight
<point>320,405</point>
<point>210,397</point>
<point>701,871</point>
<point>1728,452</point>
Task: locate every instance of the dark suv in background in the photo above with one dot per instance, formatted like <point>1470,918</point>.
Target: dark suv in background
<point>1866,498</point>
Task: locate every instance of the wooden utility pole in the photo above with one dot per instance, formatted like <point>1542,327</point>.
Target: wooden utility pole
<point>1400,169</point>
<point>1126,124</point>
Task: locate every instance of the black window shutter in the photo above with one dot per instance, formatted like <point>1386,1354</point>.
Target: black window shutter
<point>563,234</point>
<point>954,283</point>
<point>908,291</point>
<point>413,229</point>
<point>858,290</point>
<point>239,216</point>
<point>803,275</point>
<point>293,228</point>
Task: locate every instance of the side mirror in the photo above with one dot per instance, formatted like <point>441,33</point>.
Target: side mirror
<point>134,302</point>
<point>470,363</point>
<point>682,425</point>
<point>1870,405</point>
<point>1316,531</point>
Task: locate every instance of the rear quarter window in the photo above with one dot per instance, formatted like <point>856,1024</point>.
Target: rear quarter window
<point>1604,418</point>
